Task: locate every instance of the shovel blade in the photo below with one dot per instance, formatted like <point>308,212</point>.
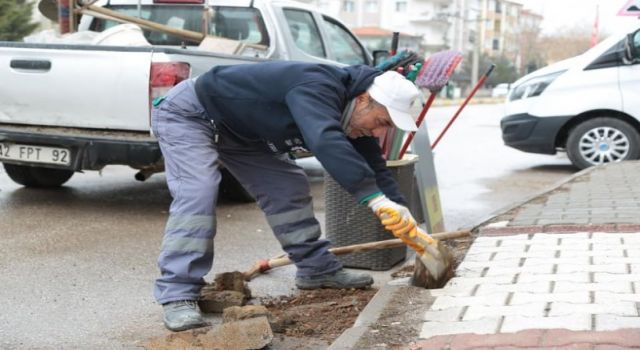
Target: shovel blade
<point>438,267</point>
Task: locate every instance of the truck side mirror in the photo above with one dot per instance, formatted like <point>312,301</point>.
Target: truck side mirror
<point>380,56</point>
<point>632,47</point>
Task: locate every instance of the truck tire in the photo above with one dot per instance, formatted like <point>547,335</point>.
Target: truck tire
<point>232,190</point>
<point>602,140</point>
<point>37,176</point>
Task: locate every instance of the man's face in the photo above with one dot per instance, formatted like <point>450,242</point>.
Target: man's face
<point>368,118</point>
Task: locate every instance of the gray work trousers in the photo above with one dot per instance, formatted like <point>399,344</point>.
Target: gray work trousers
<point>192,153</point>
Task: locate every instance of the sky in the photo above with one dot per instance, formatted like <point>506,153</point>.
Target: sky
<point>560,14</point>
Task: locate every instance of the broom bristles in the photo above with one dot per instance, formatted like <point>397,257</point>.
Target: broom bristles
<point>437,69</point>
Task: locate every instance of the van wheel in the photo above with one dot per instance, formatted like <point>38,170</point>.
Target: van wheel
<point>232,190</point>
<point>37,176</point>
<point>602,140</point>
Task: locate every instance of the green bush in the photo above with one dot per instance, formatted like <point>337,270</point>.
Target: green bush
<point>15,19</point>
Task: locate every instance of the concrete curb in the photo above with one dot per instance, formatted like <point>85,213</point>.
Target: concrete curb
<point>371,313</point>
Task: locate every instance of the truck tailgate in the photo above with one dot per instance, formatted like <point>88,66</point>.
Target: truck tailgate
<point>75,86</point>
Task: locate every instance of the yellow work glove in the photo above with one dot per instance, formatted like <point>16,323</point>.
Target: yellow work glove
<point>393,216</point>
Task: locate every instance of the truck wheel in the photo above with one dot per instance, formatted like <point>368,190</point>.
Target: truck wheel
<point>231,189</point>
<point>37,176</point>
<point>602,140</point>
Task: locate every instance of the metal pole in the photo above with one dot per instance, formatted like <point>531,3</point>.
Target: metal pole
<point>139,8</point>
<point>394,43</point>
<point>63,16</point>
<point>475,60</point>
<point>72,16</point>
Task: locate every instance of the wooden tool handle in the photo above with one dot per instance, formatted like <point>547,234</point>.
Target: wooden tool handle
<point>265,265</point>
<point>181,33</point>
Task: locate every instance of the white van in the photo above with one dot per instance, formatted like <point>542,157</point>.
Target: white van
<point>588,105</point>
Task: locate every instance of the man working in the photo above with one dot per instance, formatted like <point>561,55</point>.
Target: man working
<point>249,118</point>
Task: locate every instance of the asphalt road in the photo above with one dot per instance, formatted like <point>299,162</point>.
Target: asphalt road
<point>477,174</point>
<point>77,264</point>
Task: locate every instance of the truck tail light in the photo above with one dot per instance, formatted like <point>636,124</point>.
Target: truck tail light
<point>165,75</point>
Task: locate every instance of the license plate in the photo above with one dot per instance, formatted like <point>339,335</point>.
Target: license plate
<point>35,154</point>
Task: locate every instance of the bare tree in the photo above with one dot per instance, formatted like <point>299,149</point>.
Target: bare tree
<point>565,43</point>
<point>530,50</point>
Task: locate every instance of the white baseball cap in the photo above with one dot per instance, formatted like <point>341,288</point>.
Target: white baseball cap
<point>397,94</point>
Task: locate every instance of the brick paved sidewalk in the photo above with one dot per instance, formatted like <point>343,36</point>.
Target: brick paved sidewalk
<point>603,199</point>
<point>561,271</point>
<point>558,339</point>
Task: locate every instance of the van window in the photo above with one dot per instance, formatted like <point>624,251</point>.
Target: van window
<point>304,32</point>
<point>344,46</point>
<point>237,23</point>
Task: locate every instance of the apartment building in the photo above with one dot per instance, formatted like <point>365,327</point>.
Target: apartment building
<point>414,18</point>
<point>465,19</point>
<point>456,24</point>
<point>500,28</point>
<point>528,36</point>
<point>495,28</point>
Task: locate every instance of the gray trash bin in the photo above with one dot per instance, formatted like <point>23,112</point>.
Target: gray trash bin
<point>348,222</point>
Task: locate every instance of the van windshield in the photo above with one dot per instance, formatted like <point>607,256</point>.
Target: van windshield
<point>238,23</point>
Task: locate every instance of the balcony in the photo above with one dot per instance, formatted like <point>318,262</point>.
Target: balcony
<point>436,19</point>
<point>442,2</point>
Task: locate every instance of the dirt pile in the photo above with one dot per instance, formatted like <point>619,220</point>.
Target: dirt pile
<point>251,333</point>
<point>322,314</point>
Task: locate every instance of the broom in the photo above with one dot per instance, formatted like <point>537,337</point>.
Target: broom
<point>433,75</point>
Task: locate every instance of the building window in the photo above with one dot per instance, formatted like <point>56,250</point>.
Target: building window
<point>348,6</point>
<point>497,26</point>
<point>496,44</point>
<point>401,6</point>
<point>498,6</point>
<point>371,6</point>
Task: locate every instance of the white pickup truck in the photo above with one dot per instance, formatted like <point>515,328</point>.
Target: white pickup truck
<point>67,108</point>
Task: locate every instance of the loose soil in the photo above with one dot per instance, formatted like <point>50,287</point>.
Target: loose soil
<point>399,323</point>
<point>312,320</point>
<point>325,314</point>
<point>321,314</point>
